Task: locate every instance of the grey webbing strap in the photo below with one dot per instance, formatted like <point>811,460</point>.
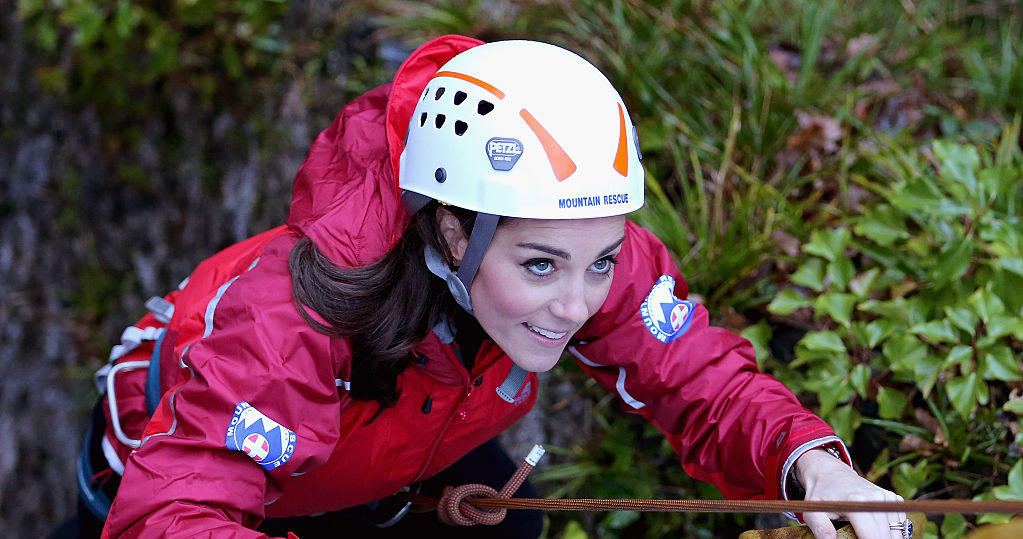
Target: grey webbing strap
<point>482,232</point>
<point>512,384</point>
<point>414,202</point>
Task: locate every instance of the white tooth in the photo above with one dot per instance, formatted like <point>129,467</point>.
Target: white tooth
<point>546,333</point>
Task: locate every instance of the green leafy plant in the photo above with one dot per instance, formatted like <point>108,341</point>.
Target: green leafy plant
<point>914,312</point>
<point>132,59</point>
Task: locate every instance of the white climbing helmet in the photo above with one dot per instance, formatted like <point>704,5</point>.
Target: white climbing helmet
<point>523,129</point>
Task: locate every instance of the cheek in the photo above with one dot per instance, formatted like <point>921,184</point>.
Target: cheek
<point>502,295</point>
<point>597,295</point>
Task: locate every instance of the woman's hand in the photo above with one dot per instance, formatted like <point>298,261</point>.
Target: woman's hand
<point>826,478</point>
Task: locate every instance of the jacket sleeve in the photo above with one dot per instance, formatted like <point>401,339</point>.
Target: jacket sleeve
<point>259,405</point>
<point>699,385</point>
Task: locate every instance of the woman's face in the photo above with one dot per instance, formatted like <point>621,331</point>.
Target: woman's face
<point>541,280</point>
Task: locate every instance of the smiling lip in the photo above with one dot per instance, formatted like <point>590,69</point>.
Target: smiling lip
<point>546,336</point>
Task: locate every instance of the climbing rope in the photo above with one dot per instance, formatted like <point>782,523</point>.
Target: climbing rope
<point>452,508</point>
<point>471,504</point>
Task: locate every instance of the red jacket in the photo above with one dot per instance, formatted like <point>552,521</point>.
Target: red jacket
<point>262,425</point>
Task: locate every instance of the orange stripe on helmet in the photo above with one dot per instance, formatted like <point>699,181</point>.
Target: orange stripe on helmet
<point>560,161</point>
<point>622,156</point>
<point>473,80</point>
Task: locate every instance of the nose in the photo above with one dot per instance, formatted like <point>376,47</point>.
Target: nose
<point>570,304</point>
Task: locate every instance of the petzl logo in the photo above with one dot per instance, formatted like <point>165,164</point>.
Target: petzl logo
<point>264,440</point>
<point>503,152</point>
<point>666,316</point>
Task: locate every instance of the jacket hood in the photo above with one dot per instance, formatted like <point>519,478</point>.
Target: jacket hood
<point>345,197</point>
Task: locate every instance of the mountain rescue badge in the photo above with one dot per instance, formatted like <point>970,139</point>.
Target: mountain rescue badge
<point>264,440</point>
<point>666,316</point>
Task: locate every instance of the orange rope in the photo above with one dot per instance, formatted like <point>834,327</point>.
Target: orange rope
<point>471,504</point>
<point>965,507</point>
<point>453,509</point>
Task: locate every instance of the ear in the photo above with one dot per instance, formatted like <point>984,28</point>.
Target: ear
<point>451,229</point>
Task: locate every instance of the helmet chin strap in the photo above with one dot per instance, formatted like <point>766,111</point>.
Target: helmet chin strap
<point>461,282</point>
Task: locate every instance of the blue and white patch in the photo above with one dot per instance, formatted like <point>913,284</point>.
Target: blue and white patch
<point>666,316</point>
<point>264,440</point>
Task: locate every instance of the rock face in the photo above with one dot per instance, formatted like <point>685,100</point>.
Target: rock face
<point>82,246</point>
<point>81,250</point>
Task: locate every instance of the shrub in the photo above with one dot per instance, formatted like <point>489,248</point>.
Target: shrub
<point>914,312</point>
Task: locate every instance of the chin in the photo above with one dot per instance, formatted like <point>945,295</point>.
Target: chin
<point>536,363</point>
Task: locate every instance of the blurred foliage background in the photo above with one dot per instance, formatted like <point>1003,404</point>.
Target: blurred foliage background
<point>839,181</point>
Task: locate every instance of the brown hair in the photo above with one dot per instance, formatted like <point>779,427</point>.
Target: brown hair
<point>362,303</point>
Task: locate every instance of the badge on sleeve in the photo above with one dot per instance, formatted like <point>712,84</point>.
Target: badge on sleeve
<point>666,316</point>
<point>264,440</point>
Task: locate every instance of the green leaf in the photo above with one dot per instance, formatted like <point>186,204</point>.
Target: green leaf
<point>862,285</point>
<point>125,19</point>
<point>898,310</point>
<point>999,363</point>
<point>759,335</point>
<point>937,330</point>
<point>903,351</point>
<point>953,527</point>
<point>878,330</point>
<point>840,272</point>
<point>925,372</point>
<point>831,393</point>
<point>958,162</point>
<point>1009,288</point>
<point>845,420</point>
<point>986,304</point>
<point>908,479</point>
<point>824,341</point>
<point>883,225</point>
<point>920,196</point>
<point>891,403</point>
<point>954,260</point>
<point>1013,264</point>
<point>963,319</point>
<point>574,530</point>
<point>619,520</point>
<point>1014,405</point>
<point>1001,325</point>
<point>958,356</point>
<point>859,379</point>
<point>962,392</point>
<point>787,301</point>
<point>810,274</point>
<point>1013,490</point>
<point>838,306</point>
<point>828,244</point>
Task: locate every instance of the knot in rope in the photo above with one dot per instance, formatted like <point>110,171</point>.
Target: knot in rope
<point>454,509</point>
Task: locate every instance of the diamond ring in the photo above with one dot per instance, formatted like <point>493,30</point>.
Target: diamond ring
<point>906,527</point>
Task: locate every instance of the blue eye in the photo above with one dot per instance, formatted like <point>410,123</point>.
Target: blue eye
<point>604,265</point>
<point>540,267</point>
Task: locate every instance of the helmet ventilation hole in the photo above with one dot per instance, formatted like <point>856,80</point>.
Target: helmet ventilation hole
<point>440,175</point>
<point>440,92</point>
<point>459,97</point>
<point>426,93</point>
<point>460,127</point>
<point>422,119</point>
<point>484,107</point>
<point>439,121</point>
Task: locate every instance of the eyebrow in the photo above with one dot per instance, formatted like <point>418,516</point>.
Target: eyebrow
<point>564,254</point>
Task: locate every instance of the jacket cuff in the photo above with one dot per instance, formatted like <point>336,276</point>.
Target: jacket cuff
<point>834,444</point>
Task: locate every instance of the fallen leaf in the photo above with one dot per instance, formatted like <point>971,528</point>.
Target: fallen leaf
<point>915,443</point>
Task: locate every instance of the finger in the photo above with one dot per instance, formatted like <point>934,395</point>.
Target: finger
<point>896,519</point>
<point>820,525</point>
